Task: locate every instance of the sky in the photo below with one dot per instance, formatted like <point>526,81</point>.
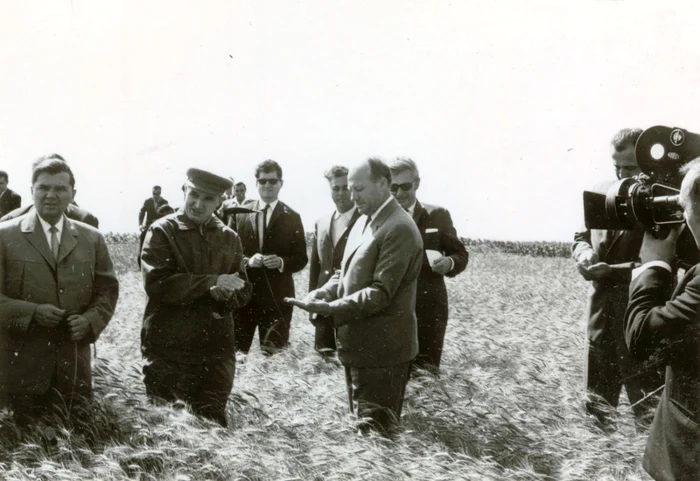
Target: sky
<point>508,107</point>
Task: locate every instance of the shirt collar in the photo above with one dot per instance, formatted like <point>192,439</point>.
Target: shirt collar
<point>412,210</point>
<point>272,205</point>
<point>346,215</point>
<point>46,226</point>
<point>381,207</point>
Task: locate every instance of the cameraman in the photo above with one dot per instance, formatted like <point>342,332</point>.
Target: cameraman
<point>670,331</point>
<point>606,258</point>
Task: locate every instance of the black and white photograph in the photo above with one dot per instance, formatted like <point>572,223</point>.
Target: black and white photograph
<point>331,240</point>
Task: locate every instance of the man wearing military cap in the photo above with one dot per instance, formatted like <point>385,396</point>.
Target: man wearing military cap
<point>194,278</point>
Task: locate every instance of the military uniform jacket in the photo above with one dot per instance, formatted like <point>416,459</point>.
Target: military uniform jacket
<point>180,263</point>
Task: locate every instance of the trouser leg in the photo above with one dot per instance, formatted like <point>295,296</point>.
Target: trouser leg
<point>377,393</point>
<point>211,395</point>
<point>431,336</point>
<point>245,323</point>
<point>602,375</point>
<point>273,328</point>
<point>324,337</point>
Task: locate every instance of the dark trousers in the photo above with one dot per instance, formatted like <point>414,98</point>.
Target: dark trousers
<point>376,393</point>
<point>431,336</point>
<point>324,339</point>
<point>272,323</point>
<point>204,386</point>
<point>610,365</point>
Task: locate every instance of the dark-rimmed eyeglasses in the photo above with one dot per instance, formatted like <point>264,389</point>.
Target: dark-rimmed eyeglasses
<point>406,186</point>
<point>265,181</point>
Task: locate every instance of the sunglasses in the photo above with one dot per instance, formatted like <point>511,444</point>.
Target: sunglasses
<point>406,186</point>
<point>265,181</point>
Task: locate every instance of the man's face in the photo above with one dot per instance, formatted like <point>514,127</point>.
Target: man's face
<point>625,163</point>
<point>341,194</point>
<point>3,184</point>
<point>156,194</point>
<point>52,193</point>
<point>269,186</point>
<point>240,193</point>
<point>200,205</point>
<point>404,180</point>
<point>367,195</point>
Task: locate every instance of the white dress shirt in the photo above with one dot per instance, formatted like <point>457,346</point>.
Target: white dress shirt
<point>46,226</point>
<point>339,223</point>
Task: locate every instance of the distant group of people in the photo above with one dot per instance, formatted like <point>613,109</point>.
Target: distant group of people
<point>642,333</point>
<point>219,269</point>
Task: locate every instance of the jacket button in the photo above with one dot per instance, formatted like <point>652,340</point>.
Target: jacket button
<point>60,291</point>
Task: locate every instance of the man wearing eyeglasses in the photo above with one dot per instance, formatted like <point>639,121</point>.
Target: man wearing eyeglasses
<point>328,244</point>
<point>274,246</point>
<point>444,255</point>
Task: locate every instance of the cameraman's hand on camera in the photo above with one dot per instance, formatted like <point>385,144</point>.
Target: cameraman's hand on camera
<point>79,326</point>
<point>599,271</point>
<point>654,249</point>
<point>256,260</point>
<point>48,315</point>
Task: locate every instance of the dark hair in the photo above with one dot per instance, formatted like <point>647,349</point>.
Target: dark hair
<point>378,169</point>
<point>268,166</point>
<point>4,175</point>
<point>51,164</point>
<point>156,187</point>
<point>624,138</point>
<point>239,184</point>
<point>335,172</point>
<point>403,164</point>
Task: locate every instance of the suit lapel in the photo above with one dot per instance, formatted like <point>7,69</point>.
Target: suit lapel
<point>275,213</point>
<point>357,238</point>
<point>418,213</point>
<point>69,239</point>
<point>31,227</point>
<point>254,224</point>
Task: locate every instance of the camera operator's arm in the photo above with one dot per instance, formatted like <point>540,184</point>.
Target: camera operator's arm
<point>583,253</point>
<point>652,320</point>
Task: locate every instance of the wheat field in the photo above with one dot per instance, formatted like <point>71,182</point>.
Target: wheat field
<point>508,405</point>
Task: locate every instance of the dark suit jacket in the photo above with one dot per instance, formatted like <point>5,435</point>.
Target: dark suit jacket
<point>148,210</point>
<point>671,331</point>
<point>374,293</point>
<point>608,297</point>
<point>9,201</point>
<point>72,212</point>
<point>285,238</point>
<point>82,282</point>
<point>438,233</point>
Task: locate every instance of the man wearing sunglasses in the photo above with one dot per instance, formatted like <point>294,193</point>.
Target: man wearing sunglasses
<point>444,255</point>
<point>328,244</point>
<point>274,246</point>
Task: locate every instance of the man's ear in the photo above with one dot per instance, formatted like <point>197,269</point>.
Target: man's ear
<point>73,197</point>
<point>281,182</point>
<point>417,181</point>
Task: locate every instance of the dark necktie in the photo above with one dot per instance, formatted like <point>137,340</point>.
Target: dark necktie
<point>369,219</point>
<point>263,225</point>
<point>54,241</point>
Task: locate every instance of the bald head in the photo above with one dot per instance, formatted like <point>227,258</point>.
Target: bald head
<point>690,197</point>
<point>369,185</point>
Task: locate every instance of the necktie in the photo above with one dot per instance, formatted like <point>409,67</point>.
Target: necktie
<point>54,241</point>
<point>262,226</point>
<point>369,219</point>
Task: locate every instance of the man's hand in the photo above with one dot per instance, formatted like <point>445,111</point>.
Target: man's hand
<point>318,295</point>
<point>219,295</point>
<point>442,266</point>
<point>599,271</point>
<point>79,326</point>
<point>256,260</point>
<point>48,315</point>
<point>660,249</point>
<point>227,283</point>
<point>272,261</point>
<point>314,306</point>
<point>586,260</point>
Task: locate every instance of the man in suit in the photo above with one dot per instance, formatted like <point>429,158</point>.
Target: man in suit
<point>240,191</point>
<point>147,214</point>
<point>194,278</point>
<point>328,244</point>
<point>450,257</point>
<point>666,326</point>
<point>9,199</point>
<point>58,291</point>
<point>274,245</point>
<point>606,258</point>
<point>372,298</point>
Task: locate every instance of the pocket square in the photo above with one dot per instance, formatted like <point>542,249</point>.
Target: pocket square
<point>431,230</point>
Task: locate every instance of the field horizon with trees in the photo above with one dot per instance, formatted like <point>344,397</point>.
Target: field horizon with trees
<point>508,405</point>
